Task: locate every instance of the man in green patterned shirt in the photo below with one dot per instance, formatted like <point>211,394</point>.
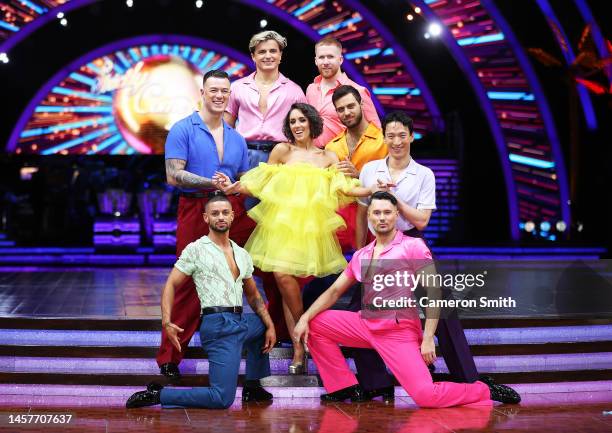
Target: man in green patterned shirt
<point>221,271</point>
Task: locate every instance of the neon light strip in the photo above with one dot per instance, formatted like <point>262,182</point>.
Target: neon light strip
<point>481,39</point>
<point>66,126</point>
<point>165,49</point>
<point>396,91</point>
<point>388,52</point>
<point>145,51</point>
<point>307,7</point>
<point>84,95</point>
<point>185,53</point>
<point>175,51</point>
<point>364,53</point>
<point>155,49</point>
<point>339,26</point>
<point>82,109</point>
<point>106,143</point>
<point>34,7</point>
<point>206,60</point>
<point>222,61</point>
<point>93,67</point>
<point>134,54</point>
<point>78,141</point>
<point>123,59</point>
<point>231,71</point>
<point>511,96</point>
<point>8,26</point>
<point>83,79</point>
<point>533,162</point>
<point>117,150</point>
<point>196,55</point>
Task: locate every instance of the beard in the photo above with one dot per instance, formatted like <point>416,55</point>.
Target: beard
<point>216,229</point>
<point>356,120</point>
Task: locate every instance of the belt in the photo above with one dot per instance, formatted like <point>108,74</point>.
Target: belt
<point>265,145</point>
<point>200,194</point>
<point>213,310</point>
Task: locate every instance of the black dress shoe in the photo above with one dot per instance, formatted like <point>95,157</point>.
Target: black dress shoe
<point>150,397</point>
<point>387,393</point>
<point>170,370</point>
<point>255,393</point>
<point>355,393</point>
<point>502,393</point>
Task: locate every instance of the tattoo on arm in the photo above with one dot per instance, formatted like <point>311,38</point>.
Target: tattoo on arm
<point>177,175</point>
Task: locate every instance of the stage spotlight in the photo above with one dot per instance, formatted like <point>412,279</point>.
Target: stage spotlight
<point>529,226</point>
<point>434,29</point>
<point>64,22</point>
<point>60,15</point>
<point>4,58</point>
<point>199,4</point>
<point>129,3</point>
<point>417,10</point>
<point>427,35</point>
<point>263,23</point>
<point>579,227</point>
<point>561,226</point>
<point>409,17</point>
<point>545,226</point>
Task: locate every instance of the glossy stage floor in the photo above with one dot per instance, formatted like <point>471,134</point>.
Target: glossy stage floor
<point>79,341</point>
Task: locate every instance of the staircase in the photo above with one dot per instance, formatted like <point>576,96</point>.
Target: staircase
<point>121,353</point>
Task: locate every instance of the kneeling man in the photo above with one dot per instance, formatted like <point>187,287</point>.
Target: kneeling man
<point>401,343</point>
<point>221,271</point>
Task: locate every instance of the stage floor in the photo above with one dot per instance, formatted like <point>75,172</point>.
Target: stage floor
<point>579,412</point>
<point>135,293</point>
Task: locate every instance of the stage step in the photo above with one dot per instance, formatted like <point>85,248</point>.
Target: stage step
<point>276,380</point>
<point>122,352</point>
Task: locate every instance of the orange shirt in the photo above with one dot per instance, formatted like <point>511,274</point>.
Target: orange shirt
<point>371,146</point>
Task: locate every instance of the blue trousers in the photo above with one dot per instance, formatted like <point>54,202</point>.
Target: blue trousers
<point>223,337</point>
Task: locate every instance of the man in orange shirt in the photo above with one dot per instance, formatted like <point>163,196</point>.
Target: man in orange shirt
<point>359,143</point>
<point>328,58</point>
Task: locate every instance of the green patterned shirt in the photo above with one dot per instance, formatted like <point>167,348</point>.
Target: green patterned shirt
<point>205,262</point>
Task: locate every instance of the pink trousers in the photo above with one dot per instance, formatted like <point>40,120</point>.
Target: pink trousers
<point>399,345</point>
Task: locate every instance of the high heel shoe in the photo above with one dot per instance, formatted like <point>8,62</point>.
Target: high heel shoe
<point>296,368</point>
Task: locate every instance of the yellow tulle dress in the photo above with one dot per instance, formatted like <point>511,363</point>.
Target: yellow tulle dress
<point>296,218</point>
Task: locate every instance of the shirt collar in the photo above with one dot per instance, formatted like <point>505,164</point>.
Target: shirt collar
<point>250,79</point>
<point>197,120</point>
<point>342,79</point>
<point>369,248</point>
<point>372,131</point>
<point>207,240</point>
<point>383,166</point>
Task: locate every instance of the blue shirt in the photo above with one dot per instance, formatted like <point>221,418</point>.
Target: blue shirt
<point>190,140</point>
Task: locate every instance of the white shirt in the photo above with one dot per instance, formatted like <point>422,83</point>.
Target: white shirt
<point>416,186</point>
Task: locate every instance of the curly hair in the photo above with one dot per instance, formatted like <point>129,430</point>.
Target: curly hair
<point>314,120</point>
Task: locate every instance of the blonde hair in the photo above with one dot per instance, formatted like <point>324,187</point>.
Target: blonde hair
<point>266,36</point>
<point>328,40</point>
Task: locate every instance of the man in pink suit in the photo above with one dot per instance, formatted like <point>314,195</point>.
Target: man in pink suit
<point>401,343</point>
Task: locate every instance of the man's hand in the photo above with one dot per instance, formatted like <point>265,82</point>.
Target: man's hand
<point>270,340</point>
<point>300,332</point>
<point>221,180</point>
<point>428,350</point>
<point>172,332</point>
<point>347,167</point>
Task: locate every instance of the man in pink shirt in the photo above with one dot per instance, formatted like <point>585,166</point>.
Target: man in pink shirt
<point>260,101</point>
<point>257,107</point>
<point>328,58</point>
<point>405,348</point>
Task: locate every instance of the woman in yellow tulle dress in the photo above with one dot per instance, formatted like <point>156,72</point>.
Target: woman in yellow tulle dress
<point>299,191</point>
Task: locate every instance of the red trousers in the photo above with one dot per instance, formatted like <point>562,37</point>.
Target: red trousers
<point>186,309</point>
